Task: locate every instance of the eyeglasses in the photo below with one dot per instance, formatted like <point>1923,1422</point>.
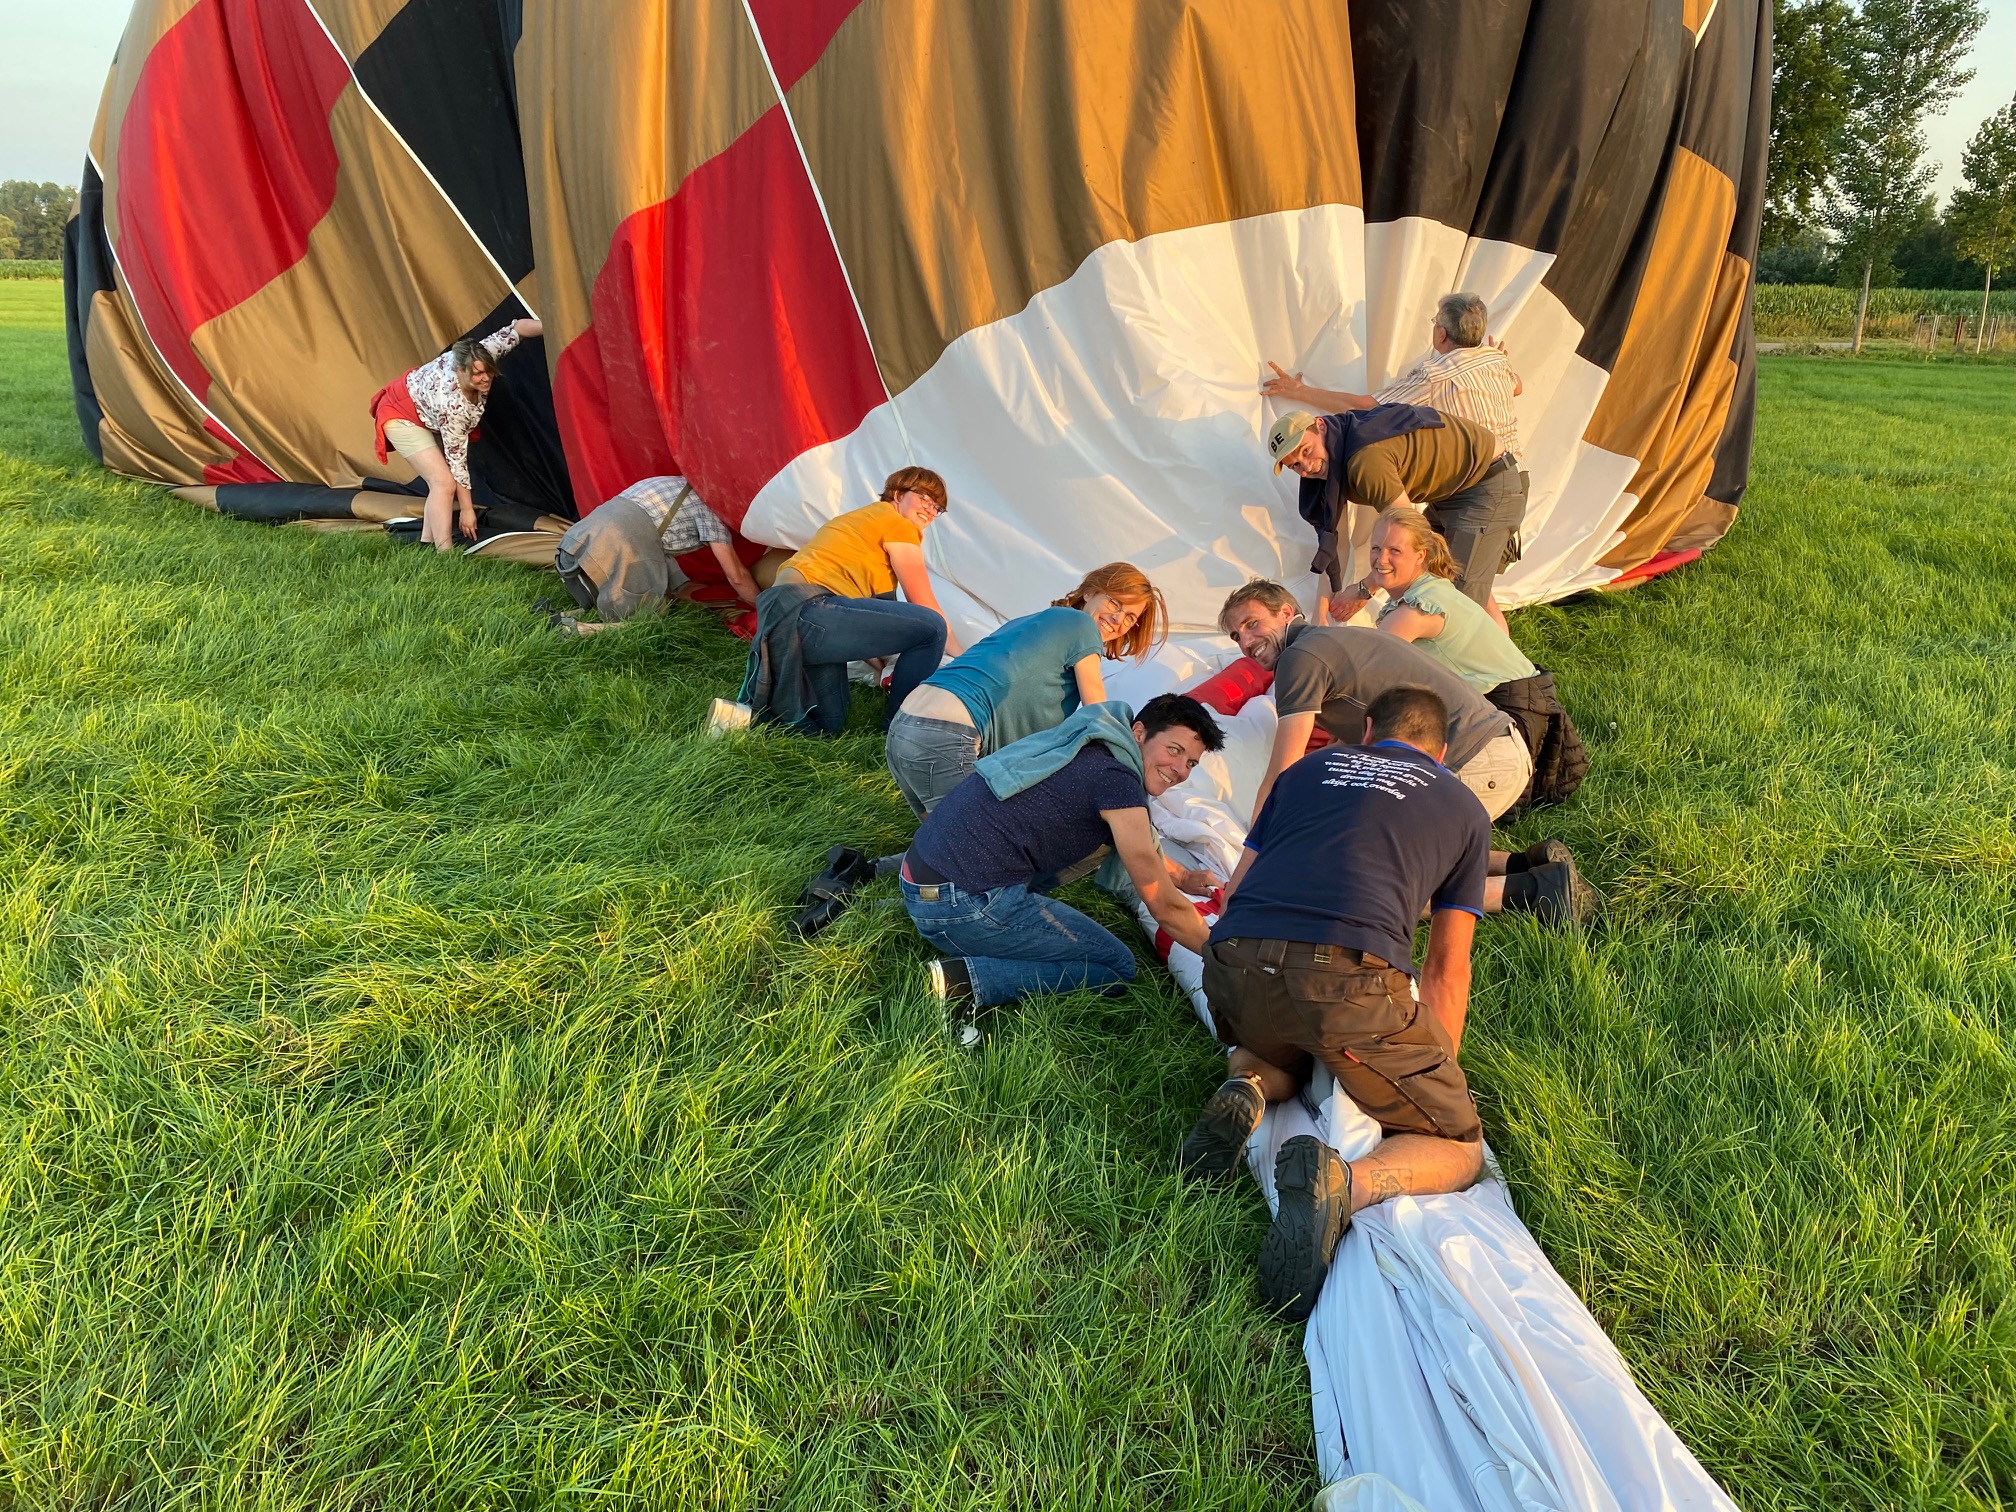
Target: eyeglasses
<point>923,498</point>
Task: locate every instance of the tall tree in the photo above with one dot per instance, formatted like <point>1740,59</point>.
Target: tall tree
<point>10,244</point>
<point>38,212</point>
<point>1811,44</point>
<point>1983,212</point>
<point>1905,64</point>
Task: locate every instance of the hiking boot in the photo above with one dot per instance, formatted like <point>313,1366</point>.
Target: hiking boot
<point>1554,894</point>
<point>1540,853</point>
<point>724,716</point>
<point>1212,1149</point>
<point>1313,1188</point>
<point>952,984</point>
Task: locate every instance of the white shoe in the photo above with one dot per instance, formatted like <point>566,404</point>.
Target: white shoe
<point>726,715</point>
<point>958,1000</point>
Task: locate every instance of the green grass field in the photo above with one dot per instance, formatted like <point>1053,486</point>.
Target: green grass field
<point>411,1097</point>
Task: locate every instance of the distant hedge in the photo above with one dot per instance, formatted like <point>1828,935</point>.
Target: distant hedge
<point>1796,311</point>
<point>30,267</point>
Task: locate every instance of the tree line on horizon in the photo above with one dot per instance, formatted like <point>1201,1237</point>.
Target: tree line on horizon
<point>1849,196</point>
<point>32,217</point>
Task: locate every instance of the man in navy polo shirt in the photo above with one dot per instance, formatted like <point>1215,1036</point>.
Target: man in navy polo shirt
<point>975,875</point>
<point>1312,959</point>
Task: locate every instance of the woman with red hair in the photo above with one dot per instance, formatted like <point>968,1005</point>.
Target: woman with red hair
<point>1025,677</point>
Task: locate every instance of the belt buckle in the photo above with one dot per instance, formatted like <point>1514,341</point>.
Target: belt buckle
<point>1322,955</point>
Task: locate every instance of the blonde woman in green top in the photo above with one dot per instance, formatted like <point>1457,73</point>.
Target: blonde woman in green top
<point>1411,563</point>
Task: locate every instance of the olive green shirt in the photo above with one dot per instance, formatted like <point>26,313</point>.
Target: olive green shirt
<point>1425,466</point>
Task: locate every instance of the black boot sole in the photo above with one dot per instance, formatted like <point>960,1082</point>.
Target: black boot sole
<point>1295,1255</point>
<point>1215,1147</point>
<point>1546,853</point>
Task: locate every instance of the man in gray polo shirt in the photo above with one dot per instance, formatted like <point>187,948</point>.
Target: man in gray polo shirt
<point>1327,676</point>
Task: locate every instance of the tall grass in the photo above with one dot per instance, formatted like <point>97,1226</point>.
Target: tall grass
<point>30,267</point>
<point>411,1097</point>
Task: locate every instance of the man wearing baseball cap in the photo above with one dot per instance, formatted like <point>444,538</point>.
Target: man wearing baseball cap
<point>1463,375</point>
<point>1403,454</point>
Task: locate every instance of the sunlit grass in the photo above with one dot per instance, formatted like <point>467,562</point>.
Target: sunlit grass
<point>410,1095</point>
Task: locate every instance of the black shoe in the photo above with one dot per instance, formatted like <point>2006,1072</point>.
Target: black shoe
<point>1539,853</point>
<point>1212,1149</point>
<point>544,606</point>
<point>824,898</point>
<point>1553,894</point>
<point>1314,1190</point>
<point>848,868</point>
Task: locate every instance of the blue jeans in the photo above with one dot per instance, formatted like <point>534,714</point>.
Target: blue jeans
<point>833,631</point>
<point>1016,942</point>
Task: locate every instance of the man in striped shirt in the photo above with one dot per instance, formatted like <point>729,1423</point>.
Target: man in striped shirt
<point>1464,376</point>
<point>620,558</point>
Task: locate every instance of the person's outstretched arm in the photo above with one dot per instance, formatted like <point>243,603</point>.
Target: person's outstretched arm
<point>907,562</point>
<point>527,329</point>
<point>1134,842</point>
<point>1291,739</point>
<point>1445,974</point>
<point>1289,386</point>
<point>738,575</point>
<point>1091,681</point>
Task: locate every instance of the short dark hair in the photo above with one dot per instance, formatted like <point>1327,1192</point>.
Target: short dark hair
<point>1268,595</point>
<point>1415,715</point>
<point>919,479</point>
<point>1168,710</point>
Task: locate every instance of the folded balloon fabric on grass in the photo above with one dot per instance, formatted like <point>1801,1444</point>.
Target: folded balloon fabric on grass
<point>1448,1361</point>
<point>782,249</point>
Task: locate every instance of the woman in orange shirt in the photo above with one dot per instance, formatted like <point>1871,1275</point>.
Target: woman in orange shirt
<point>835,602</point>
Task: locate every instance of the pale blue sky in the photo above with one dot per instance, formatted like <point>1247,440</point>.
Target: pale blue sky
<point>54,54</point>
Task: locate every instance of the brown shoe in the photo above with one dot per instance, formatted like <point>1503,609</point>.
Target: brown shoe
<point>1212,1149</point>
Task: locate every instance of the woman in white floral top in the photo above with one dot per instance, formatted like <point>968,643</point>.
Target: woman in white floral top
<point>428,417</point>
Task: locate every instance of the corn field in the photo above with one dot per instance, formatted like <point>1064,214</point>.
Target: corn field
<point>1818,312</point>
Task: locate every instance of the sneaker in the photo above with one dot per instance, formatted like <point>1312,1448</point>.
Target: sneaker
<point>1313,1187</point>
<point>952,985</point>
<point>1212,1149</point>
<point>725,715</point>
<point>1540,853</point>
<point>1557,894</point>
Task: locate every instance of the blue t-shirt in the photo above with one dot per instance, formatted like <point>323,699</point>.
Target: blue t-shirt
<point>977,841</point>
<point>1352,844</point>
<point>1019,680</point>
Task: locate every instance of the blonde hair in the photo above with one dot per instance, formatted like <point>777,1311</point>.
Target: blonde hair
<point>1123,580</point>
<point>1405,518</point>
